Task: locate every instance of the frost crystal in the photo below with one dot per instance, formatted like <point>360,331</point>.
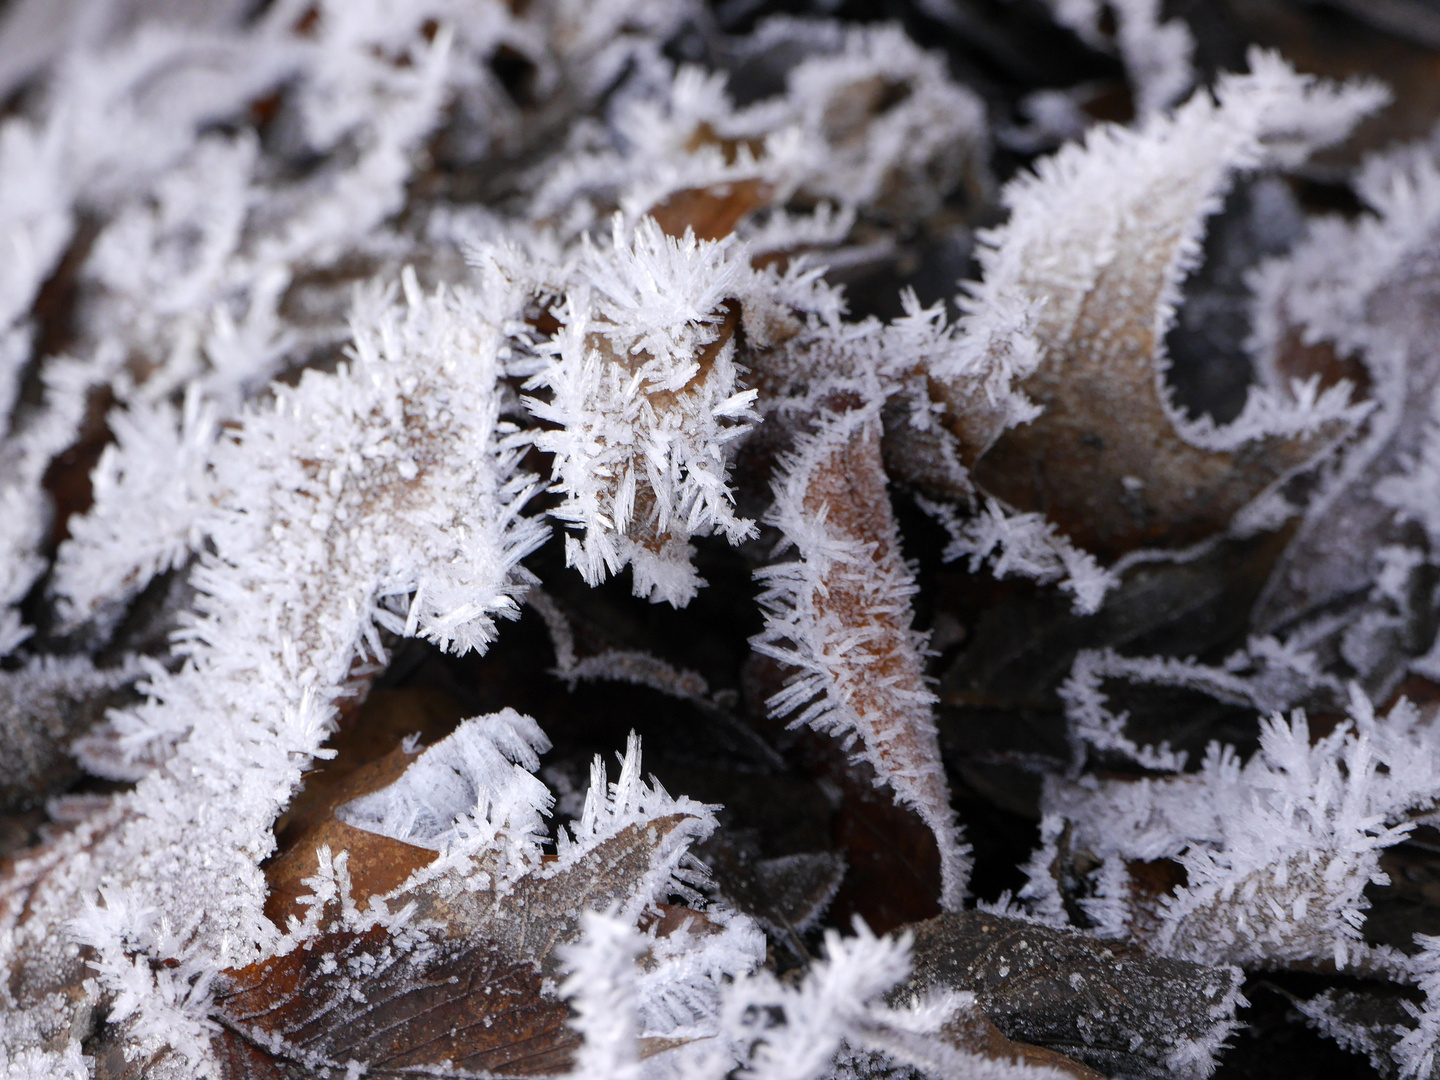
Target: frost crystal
<point>839,614</point>
<point>645,396</point>
<point>384,495</point>
<point>1276,852</point>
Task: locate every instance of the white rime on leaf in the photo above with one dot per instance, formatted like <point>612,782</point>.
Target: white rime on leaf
<point>1417,1049</point>
<point>385,494</point>
<point>839,614</point>
<point>760,1028</point>
<point>190,271</point>
<point>470,788</point>
<point>796,1032</point>
<point>1267,675</point>
<point>646,391</point>
<point>601,987</point>
<point>629,800</point>
<point>867,121</point>
<point>1028,545</point>
<point>832,1003</point>
<point>1365,289</point>
<point>1065,329</point>
<point>893,157</point>
<point>1277,852</point>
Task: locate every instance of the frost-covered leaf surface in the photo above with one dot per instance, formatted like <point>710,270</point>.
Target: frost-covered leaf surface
<point>839,615</point>
<point>988,457</point>
<point>1091,258</point>
<point>1090,999</point>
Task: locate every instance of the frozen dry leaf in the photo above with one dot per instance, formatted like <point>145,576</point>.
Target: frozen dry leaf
<point>44,706</point>
<point>839,614</point>
<point>207,202</point>
<point>1365,291</point>
<point>1272,855</point>
<point>1370,1021</point>
<point>456,966</point>
<point>1104,1002</point>
<point>308,545</point>
<point>396,1004</point>
<point>867,122</point>
<point>644,396</point>
<point>1057,392</point>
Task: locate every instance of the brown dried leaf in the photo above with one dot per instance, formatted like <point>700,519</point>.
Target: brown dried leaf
<point>1103,1002</point>
<point>713,212</point>
<point>1093,256</point>
<point>396,1003</point>
<point>1104,461</point>
<point>378,864</point>
<point>841,617</point>
<point>470,982</point>
<point>973,1031</point>
<point>542,909</point>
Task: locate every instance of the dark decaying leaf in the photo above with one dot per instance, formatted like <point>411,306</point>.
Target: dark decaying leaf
<point>472,985</point>
<point>396,1003</point>
<point>44,706</point>
<point>977,1033</point>
<point>1368,1019</point>
<point>787,894</point>
<point>542,909</point>
<point>1103,1002</point>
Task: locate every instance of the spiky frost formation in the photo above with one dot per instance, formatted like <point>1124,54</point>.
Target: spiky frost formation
<point>1267,675</point>
<point>1276,852</point>
<point>601,989</point>
<point>645,395</point>
<point>384,495</point>
<point>1065,328</point>
<point>1027,545</point>
<point>1364,290</point>
<point>766,1029</point>
<point>867,122</point>
<point>839,614</point>
<point>469,788</point>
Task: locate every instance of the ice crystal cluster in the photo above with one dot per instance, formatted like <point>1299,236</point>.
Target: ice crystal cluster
<point>359,318</point>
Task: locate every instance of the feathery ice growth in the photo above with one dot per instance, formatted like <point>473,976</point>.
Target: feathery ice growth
<point>408,409</point>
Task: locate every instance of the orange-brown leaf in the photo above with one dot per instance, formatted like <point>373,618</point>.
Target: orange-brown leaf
<point>378,864</point>
<point>711,212</point>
